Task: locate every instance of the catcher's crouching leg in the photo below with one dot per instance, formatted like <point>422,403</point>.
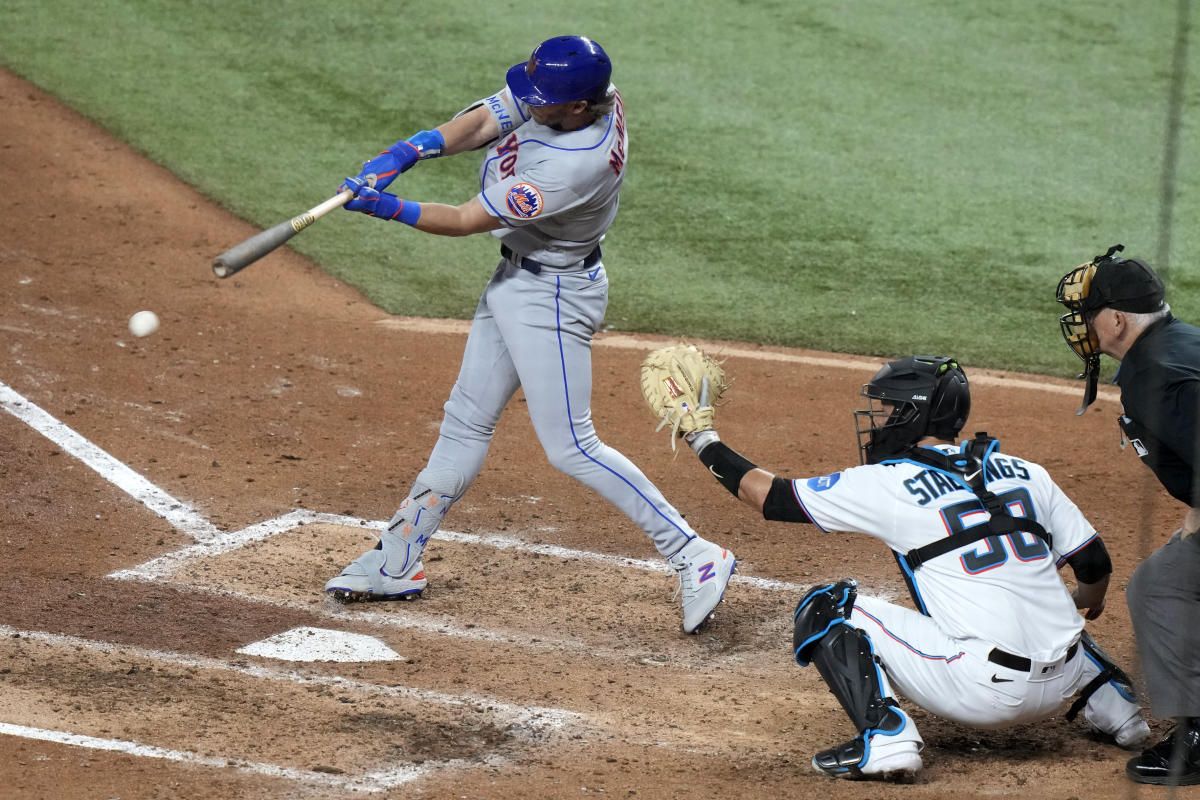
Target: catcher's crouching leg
<point>393,568</point>
<point>1107,699</point>
<point>888,743</point>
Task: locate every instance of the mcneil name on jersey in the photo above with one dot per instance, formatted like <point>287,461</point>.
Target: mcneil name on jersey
<point>930,484</point>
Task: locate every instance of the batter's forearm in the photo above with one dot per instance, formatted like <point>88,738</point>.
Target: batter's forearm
<point>447,220</point>
<point>469,131</point>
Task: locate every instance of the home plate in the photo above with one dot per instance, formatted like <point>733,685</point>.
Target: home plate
<point>319,644</point>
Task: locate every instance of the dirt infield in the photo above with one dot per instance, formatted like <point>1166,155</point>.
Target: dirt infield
<point>169,501</point>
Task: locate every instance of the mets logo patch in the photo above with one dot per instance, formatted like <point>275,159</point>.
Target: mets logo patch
<point>824,482</point>
<point>524,200</point>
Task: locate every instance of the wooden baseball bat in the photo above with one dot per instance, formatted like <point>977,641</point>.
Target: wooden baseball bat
<point>240,256</point>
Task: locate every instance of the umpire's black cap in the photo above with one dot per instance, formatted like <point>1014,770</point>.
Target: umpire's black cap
<point>1126,284</point>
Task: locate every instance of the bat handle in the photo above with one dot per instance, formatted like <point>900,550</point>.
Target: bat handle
<point>302,221</point>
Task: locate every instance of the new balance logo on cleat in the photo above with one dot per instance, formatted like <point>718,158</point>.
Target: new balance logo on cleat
<point>704,570</point>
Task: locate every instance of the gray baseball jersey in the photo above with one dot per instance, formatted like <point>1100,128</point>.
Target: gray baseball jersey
<point>556,192</point>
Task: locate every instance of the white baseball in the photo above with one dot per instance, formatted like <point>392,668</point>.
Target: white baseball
<point>143,323</point>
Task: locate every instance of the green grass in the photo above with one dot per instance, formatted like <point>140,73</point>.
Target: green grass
<point>876,177</point>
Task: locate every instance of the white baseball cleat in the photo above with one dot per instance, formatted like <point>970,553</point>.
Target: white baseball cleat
<point>893,752</point>
<point>704,570</point>
<point>367,578</point>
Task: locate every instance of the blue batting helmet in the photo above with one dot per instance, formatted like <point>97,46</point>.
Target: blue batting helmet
<point>560,70</point>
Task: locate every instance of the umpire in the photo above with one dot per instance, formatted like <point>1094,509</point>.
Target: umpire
<point>1116,307</point>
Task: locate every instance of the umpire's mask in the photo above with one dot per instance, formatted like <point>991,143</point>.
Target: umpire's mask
<point>1106,281</point>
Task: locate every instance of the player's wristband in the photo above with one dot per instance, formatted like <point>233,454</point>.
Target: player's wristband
<point>698,440</point>
<point>388,206</point>
<point>409,213</point>
<point>429,144</point>
<point>726,465</point>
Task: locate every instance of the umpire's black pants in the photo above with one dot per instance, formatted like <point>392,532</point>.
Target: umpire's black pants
<point>1164,604</point>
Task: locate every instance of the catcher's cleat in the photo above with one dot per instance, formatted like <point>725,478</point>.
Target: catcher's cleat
<point>367,578</point>
<point>704,570</point>
<point>1133,735</point>
<point>892,754</point>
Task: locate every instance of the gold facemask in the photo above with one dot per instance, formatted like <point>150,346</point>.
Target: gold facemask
<point>1072,291</point>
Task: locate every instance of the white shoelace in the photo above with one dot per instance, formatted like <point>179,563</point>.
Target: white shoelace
<point>690,591</point>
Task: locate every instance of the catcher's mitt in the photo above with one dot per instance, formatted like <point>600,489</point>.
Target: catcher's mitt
<point>681,384</point>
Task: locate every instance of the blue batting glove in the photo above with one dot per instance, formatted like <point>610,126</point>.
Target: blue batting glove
<point>366,200</point>
<point>353,185</point>
<point>385,206</point>
<point>401,156</point>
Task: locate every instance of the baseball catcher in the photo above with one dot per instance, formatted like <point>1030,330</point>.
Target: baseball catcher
<point>996,638</point>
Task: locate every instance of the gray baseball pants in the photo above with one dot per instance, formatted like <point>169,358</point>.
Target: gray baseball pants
<point>1164,604</point>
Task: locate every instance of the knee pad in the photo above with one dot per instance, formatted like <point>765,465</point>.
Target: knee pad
<point>817,613</point>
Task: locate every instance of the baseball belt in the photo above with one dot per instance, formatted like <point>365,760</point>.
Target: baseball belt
<point>536,267</point>
<point>1020,663</point>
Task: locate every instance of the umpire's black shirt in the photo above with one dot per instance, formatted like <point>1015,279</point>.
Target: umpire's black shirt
<point>1160,394</point>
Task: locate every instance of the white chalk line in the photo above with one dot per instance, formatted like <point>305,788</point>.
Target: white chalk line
<point>181,516</point>
<point>531,721</point>
<point>372,782</point>
<point>623,341</point>
<point>440,626</point>
<point>163,569</point>
<point>534,717</point>
<point>224,542</point>
<point>169,563</point>
<point>215,542</point>
<point>210,540</point>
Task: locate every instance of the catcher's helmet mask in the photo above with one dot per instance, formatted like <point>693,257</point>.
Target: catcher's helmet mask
<point>560,70</point>
<point>909,399</point>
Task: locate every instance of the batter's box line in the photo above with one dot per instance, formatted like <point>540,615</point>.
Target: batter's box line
<point>212,541</point>
<point>166,565</point>
<point>528,722</point>
<point>181,516</point>
<point>370,782</point>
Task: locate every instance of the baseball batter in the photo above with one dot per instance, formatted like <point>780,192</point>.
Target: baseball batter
<point>996,638</point>
<point>557,153</point>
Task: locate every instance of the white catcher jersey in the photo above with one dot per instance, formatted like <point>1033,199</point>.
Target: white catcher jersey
<point>556,191</point>
<point>1003,590</point>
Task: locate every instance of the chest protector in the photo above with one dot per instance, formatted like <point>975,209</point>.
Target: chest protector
<point>969,468</point>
